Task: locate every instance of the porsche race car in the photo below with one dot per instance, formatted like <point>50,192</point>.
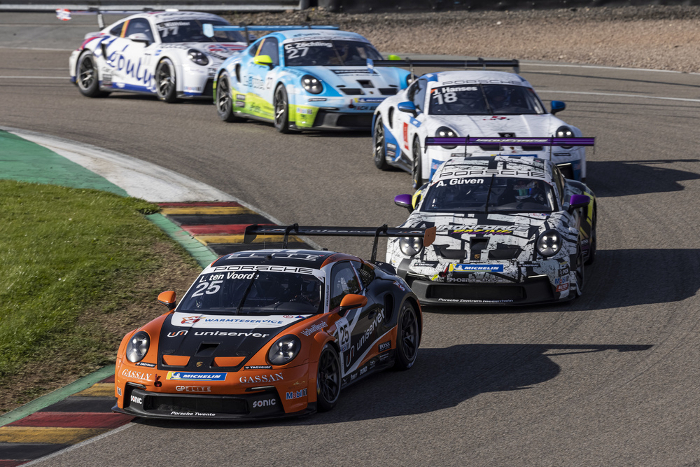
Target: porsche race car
<point>468,103</point>
<point>305,79</point>
<point>160,53</point>
<point>269,333</point>
<point>510,231</point>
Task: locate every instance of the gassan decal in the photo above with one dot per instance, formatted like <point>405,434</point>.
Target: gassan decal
<point>138,375</point>
<point>476,267</point>
<point>185,376</point>
<point>271,378</point>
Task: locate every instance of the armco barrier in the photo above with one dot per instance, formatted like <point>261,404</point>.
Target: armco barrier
<point>366,6</point>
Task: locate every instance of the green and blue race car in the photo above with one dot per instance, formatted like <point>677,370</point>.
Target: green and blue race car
<point>305,79</point>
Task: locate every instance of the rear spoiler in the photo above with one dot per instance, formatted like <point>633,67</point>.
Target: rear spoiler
<point>64,14</point>
<point>253,230</point>
<point>208,29</point>
<point>479,62</point>
<point>473,141</point>
<point>503,141</point>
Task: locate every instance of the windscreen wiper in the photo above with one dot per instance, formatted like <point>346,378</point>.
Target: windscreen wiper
<point>245,294</point>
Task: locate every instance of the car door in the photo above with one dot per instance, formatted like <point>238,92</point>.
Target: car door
<point>409,123</point>
<point>262,77</point>
<point>138,54</point>
<point>352,325</point>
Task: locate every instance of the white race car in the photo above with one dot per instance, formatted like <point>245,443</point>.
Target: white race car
<point>468,103</point>
<point>161,53</point>
<point>510,231</point>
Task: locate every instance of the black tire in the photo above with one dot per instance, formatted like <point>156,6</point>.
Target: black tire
<point>579,272</point>
<point>224,99</point>
<point>166,85</point>
<point>407,337</point>
<point>379,145</point>
<point>87,76</point>
<point>593,247</point>
<point>281,104</point>
<point>417,166</point>
<point>328,379</point>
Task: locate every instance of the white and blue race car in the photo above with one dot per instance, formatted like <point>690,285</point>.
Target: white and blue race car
<point>467,103</point>
<point>305,79</point>
<point>160,53</point>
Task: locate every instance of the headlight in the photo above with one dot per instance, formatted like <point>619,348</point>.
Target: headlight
<point>138,346</point>
<point>410,246</point>
<point>311,84</point>
<point>446,132</point>
<point>549,243</point>
<point>284,350</point>
<point>198,57</point>
<point>564,132</point>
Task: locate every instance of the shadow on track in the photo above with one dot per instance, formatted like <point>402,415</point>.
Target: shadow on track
<point>622,178</point>
<point>442,378</point>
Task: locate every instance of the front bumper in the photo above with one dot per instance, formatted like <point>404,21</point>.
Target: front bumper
<point>531,291</point>
<point>258,405</point>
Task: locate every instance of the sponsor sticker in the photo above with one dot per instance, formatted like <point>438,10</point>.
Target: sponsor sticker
<point>314,328</point>
<point>271,378</point>
<point>193,388</point>
<point>258,367</point>
<point>186,376</point>
<point>476,267</point>
<point>295,394</point>
<point>264,403</point>
<point>384,346</point>
<point>138,375</point>
<point>146,364</point>
<point>136,400</point>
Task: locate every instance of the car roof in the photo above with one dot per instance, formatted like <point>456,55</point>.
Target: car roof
<point>498,166</point>
<point>446,78</point>
<point>297,258</point>
<point>159,16</point>
<point>296,35</point>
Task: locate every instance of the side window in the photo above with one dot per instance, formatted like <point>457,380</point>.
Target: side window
<point>139,25</point>
<point>419,96</point>
<point>412,91</point>
<point>117,30</point>
<point>343,282</point>
<point>559,182</point>
<point>253,49</point>
<point>365,272</point>
<point>271,47</point>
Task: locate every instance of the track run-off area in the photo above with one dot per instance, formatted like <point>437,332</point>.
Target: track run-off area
<point>610,379</point>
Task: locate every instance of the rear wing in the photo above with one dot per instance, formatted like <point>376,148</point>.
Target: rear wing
<point>503,141</point>
<point>208,29</point>
<point>478,63</point>
<point>253,230</point>
<point>64,14</point>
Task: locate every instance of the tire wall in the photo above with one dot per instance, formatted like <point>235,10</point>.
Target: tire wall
<point>365,6</point>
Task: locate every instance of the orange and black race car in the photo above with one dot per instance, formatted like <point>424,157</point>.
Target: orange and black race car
<point>269,333</point>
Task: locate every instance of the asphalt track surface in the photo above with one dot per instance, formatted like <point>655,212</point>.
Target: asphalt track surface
<point>610,379</point>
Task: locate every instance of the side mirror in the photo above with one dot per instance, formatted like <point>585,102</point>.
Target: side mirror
<point>578,201</point>
<point>408,107</point>
<point>167,299</point>
<point>139,37</point>
<point>252,38</point>
<point>558,106</point>
<point>404,201</point>
<point>352,301</point>
<point>264,60</point>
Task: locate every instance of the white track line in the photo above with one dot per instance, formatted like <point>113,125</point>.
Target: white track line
<point>620,95</point>
<point>81,444</point>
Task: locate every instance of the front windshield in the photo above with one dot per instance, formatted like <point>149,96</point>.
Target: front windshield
<point>329,53</point>
<point>484,99</point>
<point>254,292</point>
<point>489,195</point>
<point>191,31</point>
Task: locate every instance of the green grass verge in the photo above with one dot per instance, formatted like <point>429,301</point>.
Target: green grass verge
<point>67,257</point>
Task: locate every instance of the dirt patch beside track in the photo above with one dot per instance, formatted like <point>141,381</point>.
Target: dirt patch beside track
<point>657,37</point>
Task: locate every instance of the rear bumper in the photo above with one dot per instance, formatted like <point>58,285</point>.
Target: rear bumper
<point>530,292</point>
<point>146,404</point>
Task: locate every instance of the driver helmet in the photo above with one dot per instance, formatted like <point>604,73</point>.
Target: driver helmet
<point>524,189</point>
